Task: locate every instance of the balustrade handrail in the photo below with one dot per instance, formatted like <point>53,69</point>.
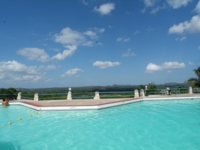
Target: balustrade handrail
<point>117,92</point>
<point>102,94</point>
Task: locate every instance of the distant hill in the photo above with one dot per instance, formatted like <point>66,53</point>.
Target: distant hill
<point>172,85</point>
<point>97,88</point>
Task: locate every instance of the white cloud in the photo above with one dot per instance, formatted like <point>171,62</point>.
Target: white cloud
<point>101,30</point>
<point>190,63</point>
<point>15,71</point>
<point>127,39</point>
<point>72,72</point>
<point>121,39</point>
<point>172,3</point>
<point>158,8</point>
<point>34,54</point>
<point>149,29</point>
<point>181,39</point>
<point>93,33</point>
<point>32,78</point>
<point>166,65</point>
<point>143,10</point>
<point>155,10</point>
<point>88,43</point>
<point>84,2</point>
<point>105,64</point>
<point>70,39</point>
<point>42,56</point>
<point>66,53</point>
<point>149,3</point>
<point>129,53</point>
<point>152,67</point>
<point>49,67</point>
<point>105,9</point>
<point>197,9</point>
<point>130,13</point>
<point>12,66</point>
<point>136,32</point>
<point>178,3</point>
<point>69,36</point>
<point>172,65</point>
<point>193,26</point>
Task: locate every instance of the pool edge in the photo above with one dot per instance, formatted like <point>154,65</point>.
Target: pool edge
<point>97,106</point>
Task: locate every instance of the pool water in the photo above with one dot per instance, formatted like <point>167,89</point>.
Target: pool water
<point>149,125</point>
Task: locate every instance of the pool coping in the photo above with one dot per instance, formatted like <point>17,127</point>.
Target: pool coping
<point>106,104</point>
<point>75,107</point>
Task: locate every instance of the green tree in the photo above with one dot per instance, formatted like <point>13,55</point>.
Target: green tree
<point>195,82</point>
<point>141,87</point>
<point>11,91</point>
<point>2,91</point>
<point>152,86</point>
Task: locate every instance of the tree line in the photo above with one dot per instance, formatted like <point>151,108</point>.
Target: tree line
<point>195,82</point>
<point>8,91</point>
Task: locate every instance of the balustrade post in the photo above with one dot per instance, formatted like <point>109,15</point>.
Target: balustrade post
<point>136,93</point>
<point>19,96</point>
<point>36,97</point>
<point>190,90</point>
<point>142,93</point>
<point>168,90</point>
<point>97,97</point>
<point>69,94</point>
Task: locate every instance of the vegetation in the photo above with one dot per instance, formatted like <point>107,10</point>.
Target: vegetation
<point>195,82</point>
<point>86,95</point>
<point>10,92</point>
<point>88,92</point>
<point>152,86</point>
<point>117,95</point>
<point>141,87</point>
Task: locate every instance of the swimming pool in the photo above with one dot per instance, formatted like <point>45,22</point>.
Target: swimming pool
<point>171,124</point>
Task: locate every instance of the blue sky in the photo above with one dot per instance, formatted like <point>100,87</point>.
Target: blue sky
<point>58,43</point>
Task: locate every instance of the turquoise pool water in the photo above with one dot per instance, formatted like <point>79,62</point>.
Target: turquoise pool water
<point>153,125</point>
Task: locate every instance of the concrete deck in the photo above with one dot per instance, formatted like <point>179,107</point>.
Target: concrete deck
<point>85,104</point>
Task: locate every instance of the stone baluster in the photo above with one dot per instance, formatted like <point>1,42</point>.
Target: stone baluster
<point>69,94</point>
<point>190,90</point>
<point>168,90</point>
<point>142,94</point>
<point>19,96</point>
<point>97,97</point>
<point>36,97</point>
<point>136,93</point>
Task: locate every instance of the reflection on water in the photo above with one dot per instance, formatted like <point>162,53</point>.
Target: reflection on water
<point>8,146</point>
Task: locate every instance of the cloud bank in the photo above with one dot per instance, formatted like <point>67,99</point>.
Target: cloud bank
<point>178,3</point>
<point>66,53</point>
<point>166,65</point>
<point>72,72</point>
<point>18,72</point>
<point>105,9</point>
<point>34,54</point>
<point>192,26</point>
<point>105,64</point>
<point>128,53</point>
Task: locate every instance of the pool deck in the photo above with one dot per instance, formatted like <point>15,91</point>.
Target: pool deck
<point>91,104</point>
